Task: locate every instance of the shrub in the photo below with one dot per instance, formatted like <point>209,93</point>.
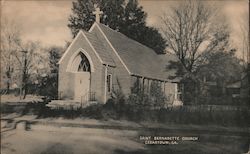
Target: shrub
<point>139,99</point>
<point>157,96</point>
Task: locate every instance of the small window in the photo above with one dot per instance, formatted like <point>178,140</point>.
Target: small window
<point>109,82</point>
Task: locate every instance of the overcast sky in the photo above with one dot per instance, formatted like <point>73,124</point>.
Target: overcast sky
<point>46,21</point>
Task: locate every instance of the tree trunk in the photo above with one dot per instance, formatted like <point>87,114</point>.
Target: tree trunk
<point>24,91</point>
<point>8,86</point>
<point>8,79</point>
<point>196,93</point>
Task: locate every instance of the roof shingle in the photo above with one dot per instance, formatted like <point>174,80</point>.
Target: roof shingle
<point>100,48</point>
<point>140,59</point>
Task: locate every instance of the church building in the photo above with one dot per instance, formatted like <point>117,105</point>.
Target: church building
<point>102,60</point>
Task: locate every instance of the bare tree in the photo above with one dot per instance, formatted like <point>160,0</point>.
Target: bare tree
<point>197,34</point>
<point>10,40</point>
<point>191,31</point>
<point>18,59</point>
<point>31,59</point>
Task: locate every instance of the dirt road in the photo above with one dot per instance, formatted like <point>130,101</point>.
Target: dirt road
<point>65,140</point>
<point>46,139</point>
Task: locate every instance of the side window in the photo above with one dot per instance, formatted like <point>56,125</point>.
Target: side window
<point>109,82</point>
<point>136,85</point>
<point>179,87</point>
<point>179,91</point>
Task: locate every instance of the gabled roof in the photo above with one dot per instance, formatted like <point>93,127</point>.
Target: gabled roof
<point>100,48</point>
<point>139,59</point>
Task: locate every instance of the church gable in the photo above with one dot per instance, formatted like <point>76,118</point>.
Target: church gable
<point>81,71</point>
<point>79,44</point>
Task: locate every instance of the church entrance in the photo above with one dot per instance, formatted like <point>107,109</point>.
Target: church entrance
<point>82,78</point>
<point>82,86</point>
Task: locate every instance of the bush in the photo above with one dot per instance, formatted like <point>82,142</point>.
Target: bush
<point>139,99</point>
<point>133,110</point>
<point>196,115</point>
<point>22,108</point>
<point>48,86</point>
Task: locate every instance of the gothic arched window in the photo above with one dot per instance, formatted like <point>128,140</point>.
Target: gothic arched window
<point>84,65</point>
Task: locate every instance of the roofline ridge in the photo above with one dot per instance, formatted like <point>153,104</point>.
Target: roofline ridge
<point>91,46</point>
<point>116,53</point>
<point>128,38</point>
<point>67,50</point>
<point>139,44</point>
<point>92,27</point>
<point>95,35</point>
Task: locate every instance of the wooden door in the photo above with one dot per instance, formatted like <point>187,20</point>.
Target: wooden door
<point>82,86</point>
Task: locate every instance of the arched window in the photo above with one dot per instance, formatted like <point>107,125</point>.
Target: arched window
<point>84,65</point>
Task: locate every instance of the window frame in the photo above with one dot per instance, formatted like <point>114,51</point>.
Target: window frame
<point>84,65</point>
<point>109,83</point>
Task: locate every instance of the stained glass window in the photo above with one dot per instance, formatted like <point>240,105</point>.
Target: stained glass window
<point>84,65</point>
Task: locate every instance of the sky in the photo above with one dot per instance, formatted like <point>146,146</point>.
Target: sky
<point>46,20</point>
